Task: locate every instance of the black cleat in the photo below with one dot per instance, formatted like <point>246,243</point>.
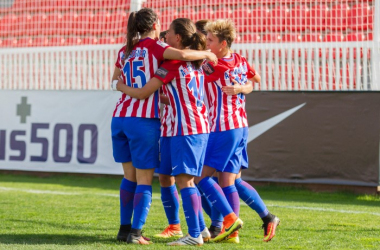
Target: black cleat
<point>214,231</point>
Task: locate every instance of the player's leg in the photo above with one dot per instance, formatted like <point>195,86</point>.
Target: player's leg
<point>217,155</point>
<point>252,198</point>
<point>187,157</point>
<point>143,135</point>
<point>122,154</point>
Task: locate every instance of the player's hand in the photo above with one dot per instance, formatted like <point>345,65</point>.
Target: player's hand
<point>211,57</point>
<point>120,84</point>
<point>233,89</point>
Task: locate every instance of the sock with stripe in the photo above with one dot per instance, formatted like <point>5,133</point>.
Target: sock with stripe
<point>250,196</point>
<point>233,198</point>
<point>215,195</point>
<point>170,201</point>
<point>202,223</point>
<point>206,205</point>
<point>127,193</point>
<point>190,203</point>
<point>141,205</point>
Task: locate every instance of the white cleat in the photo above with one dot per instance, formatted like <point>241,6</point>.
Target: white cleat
<point>188,241</point>
<point>206,235</point>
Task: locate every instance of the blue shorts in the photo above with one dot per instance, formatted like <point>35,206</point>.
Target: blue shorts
<point>136,139</point>
<point>227,150</point>
<point>183,154</point>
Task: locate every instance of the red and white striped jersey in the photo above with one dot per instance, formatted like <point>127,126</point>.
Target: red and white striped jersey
<point>137,70</point>
<point>226,112</point>
<point>187,112</point>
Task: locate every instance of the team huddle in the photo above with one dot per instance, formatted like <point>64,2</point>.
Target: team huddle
<point>199,143</point>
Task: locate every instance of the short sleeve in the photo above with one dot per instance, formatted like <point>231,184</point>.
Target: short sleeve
<point>209,72</point>
<point>120,57</point>
<point>159,49</point>
<point>165,72</point>
<point>250,71</point>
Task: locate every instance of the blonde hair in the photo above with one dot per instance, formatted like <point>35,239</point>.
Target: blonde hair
<point>223,29</point>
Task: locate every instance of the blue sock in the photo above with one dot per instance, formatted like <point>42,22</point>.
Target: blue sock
<point>215,195</point>
<point>127,193</point>
<point>215,179</point>
<point>250,196</point>
<point>190,203</point>
<point>216,218</point>
<point>202,223</point>
<point>233,198</point>
<point>141,205</point>
<point>170,201</point>
<point>206,205</point>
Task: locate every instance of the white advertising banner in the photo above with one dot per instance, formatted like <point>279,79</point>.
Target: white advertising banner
<point>57,131</point>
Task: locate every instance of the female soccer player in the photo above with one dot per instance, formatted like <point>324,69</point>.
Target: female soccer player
<point>135,125</point>
<point>226,149</point>
<point>185,126</point>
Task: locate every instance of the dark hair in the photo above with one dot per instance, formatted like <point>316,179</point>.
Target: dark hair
<point>163,34</point>
<point>201,26</point>
<point>189,36</point>
<point>139,23</point>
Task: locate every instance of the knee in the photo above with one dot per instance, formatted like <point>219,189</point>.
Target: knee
<point>166,180</point>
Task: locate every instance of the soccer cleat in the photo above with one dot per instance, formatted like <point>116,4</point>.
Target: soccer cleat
<point>270,228</point>
<point>169,232</point>
<point>214,231</point>
<point>138,239</point>
<point>206,235</point>
<point>233,238</point>
<point>188,241</point>
<point>238,223</point>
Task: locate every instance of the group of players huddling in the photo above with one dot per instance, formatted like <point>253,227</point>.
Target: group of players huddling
<point>201,136</point>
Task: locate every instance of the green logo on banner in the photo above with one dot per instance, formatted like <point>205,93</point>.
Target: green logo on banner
<point>23,109</point>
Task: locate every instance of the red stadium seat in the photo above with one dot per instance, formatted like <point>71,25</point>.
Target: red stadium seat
<point>83,23</point>
<point>223,13</point>
<point>272,38</point>
<point>73,40</point>
<point>237,39</point>
<point>167,16</point>
<point>258,18</point>
<point>312,37</point>
<point>316,18</point>
<point>9,42</point>
<point>53,23</point>
<point>57,41</point>
<point>25,41</point>
<point>36,24</point>
<point>41,41</point>
<point>241,17</point>
<point>120,40</point>
<point>8,25</point>
<point>292,37</point>
<point>119,20</point>
<point>297,18</point>
<point>205,13</point>
<point>107,40</point>
<point>360,17</point>
<point>251,38</point>
<point>370,36</point>
<point>23,24</point>
<point>67,25</point>
<point>337,17</point>
<point>101,23</point>
<point>187,13</point>
<point>278,18</point>
<point>90,40</point>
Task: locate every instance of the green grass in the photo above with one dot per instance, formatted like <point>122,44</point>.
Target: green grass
<point>84,214</point>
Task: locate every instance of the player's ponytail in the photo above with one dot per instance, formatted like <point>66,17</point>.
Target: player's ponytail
<point>189,36</point>
<point>139,23</point>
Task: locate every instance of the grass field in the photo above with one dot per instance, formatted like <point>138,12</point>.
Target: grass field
<point>70,212</point>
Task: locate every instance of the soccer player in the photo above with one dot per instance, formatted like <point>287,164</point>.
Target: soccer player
<point>163,36</point>
<point>185,129</point>
<point>135,124</point>
<point>226,149</point>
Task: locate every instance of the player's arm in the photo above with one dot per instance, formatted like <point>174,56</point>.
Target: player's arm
<point>140,93</point>
<point>189,55</point>
<point>237,88</point>
<point>164,99</point>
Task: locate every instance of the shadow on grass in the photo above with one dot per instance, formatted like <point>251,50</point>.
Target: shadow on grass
<point>56,239</point>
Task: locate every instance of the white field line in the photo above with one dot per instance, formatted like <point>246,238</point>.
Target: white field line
<point>36,191</point>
